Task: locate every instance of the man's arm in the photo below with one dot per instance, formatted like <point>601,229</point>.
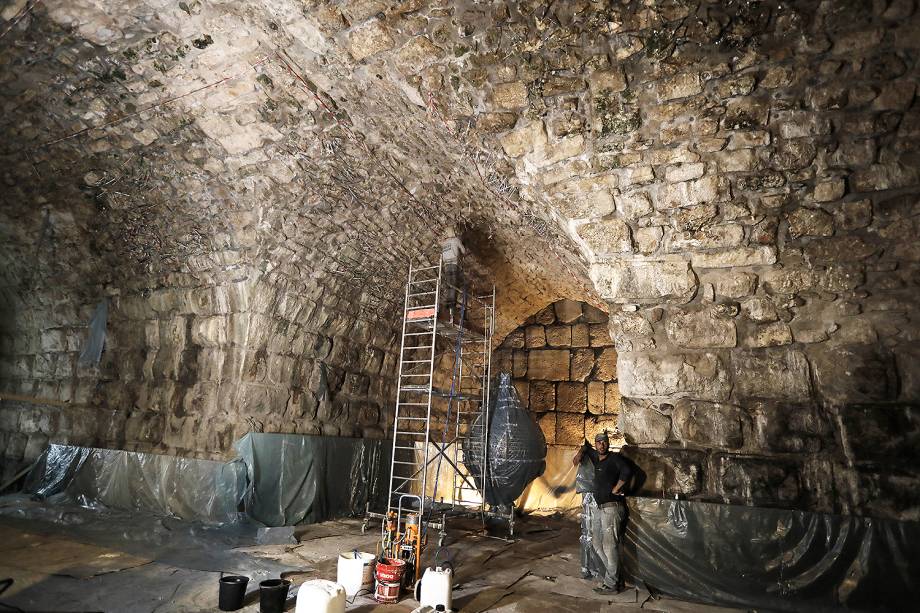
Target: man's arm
<point>625,475</point>
<point>584,449</point>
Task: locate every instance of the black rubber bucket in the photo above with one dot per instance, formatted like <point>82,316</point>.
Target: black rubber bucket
<point>232,591</point>
<point>273,594</point>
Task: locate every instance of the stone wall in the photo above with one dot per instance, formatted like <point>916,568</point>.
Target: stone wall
<point>188,371</point>
<point>563,366</point>
<point>743,181</point>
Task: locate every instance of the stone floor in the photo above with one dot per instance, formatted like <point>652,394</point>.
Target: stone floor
<point>54,570</point>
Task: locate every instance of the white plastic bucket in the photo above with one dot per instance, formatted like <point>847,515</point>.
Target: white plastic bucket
<point>356,573</point>
<point>320,596</point>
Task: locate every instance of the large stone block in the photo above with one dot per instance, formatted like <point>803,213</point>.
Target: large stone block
<point>571,397</point>
<point>708,424</point>
<point>750,480</point>
<point>582,364</point>
<point>600,335</point>
<point>692,193</point>
<point>606,365</point>
<point>781,374</point>
<point>701,329</point>
<point>369,39</point>
<point>596,397</point>
<point>548,364</point>
<point>644,281</point>
<point>671,375</point>
<point>886,434</point>
<point>642,423</point>
<point>854,373</point>
<point>416,54</point>
<point>810,222</point>
<point>607,237</point>
<point>567,311</point>
<point>509,95</point>
<point>547,423</point>
<point>570,428</point>
<point>535,337</point>
<point>784,427</point>
<point>720,236</point>
<point>666,472</point>
<point>519,364</point>
<point>763,255</point>
<point>542,396</point>
<point>581,336</point>
<point>559,336</point>
<point>612,399</point>
<point>679,86</point>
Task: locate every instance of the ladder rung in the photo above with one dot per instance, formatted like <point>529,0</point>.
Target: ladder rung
<point>412,419</point>
<point>416,361</point>
<point>412,404</point>
<point>409,448</point>
<point>419,333</point>
<point>420,307</point>
<point>422,294</point>
<point>417,347</point>
<point>409,463</point>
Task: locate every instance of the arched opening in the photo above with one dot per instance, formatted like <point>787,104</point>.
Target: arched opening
<point>563,364</point>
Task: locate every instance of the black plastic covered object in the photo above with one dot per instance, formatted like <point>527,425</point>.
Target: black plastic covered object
<point>516,451</point>
<point>773,559</point>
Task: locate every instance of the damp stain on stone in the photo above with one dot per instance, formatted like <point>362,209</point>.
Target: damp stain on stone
<point>203,42</point>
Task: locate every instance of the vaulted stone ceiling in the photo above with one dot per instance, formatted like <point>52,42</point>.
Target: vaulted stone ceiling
<point>736,182</point>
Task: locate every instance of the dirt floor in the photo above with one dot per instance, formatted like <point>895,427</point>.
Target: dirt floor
<point>83,560</point>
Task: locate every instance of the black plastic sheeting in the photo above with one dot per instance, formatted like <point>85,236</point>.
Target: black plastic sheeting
<point>295,479</point>
<point>279,480</point>
<point>516,453</point>
<point>773,559</point>
<point>197,490</point>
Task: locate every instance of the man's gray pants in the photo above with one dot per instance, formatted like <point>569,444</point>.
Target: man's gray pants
<point>606,534</point>
<point>591,564</point>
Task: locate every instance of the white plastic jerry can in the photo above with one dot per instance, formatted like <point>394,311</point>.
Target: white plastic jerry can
<point>320,596</point>
<point>435,588</point>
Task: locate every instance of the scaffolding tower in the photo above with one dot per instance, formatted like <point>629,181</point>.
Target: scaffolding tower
<point>442,401</point>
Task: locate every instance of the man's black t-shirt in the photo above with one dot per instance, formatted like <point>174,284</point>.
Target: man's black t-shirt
<point>607,473</point>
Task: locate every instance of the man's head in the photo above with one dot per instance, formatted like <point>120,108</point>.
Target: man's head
<point>449,233</point>
<point>602,442</point>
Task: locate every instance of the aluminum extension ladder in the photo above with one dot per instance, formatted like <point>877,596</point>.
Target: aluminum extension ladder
<point>412,419</point>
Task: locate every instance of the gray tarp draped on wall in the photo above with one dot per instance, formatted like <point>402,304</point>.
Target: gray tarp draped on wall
<point>305,479</point>
<point>773,558</point>
<point>164,485</point>
<point>291,479</point>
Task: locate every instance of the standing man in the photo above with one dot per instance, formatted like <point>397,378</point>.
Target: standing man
<point>451,251</point>
<point>611,474</point>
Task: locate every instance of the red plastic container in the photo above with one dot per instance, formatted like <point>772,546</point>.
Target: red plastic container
<point>387,593</point>
<point>391,571</point>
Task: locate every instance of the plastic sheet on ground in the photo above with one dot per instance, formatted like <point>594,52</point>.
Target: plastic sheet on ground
<point>516,449</point>
<point>772,558</point>
<point>187,488</point>
<point>305,479</point>
<point>179,543</point>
